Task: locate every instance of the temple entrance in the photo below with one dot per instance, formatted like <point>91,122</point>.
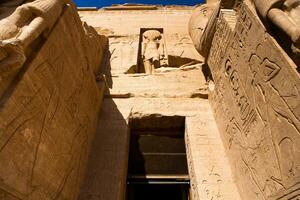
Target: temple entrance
<point>158,190</point>
<point>157,160</point>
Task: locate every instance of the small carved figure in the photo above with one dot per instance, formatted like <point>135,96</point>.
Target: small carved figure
<point>153,49</point>
<point>285,14</point>
<point>20,29</point>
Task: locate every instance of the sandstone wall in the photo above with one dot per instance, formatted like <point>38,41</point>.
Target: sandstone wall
<point>48,119</point>
<point>257,106</point>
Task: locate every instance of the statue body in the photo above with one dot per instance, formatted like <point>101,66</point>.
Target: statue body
<point>152,50</point>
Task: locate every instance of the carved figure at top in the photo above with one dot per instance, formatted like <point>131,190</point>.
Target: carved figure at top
<point>20,29</point>
<point>285,14</point>
<point>152,50</point>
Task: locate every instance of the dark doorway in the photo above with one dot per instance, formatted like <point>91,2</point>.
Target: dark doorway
<point>157,160</point>
<point>158,190</point>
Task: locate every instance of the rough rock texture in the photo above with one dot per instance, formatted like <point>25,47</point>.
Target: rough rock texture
<point>256,102</point>
<point>48,115</point>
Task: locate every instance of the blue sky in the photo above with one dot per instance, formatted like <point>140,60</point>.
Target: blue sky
<point>101,3</point>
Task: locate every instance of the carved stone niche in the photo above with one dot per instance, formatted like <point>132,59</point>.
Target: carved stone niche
<point>148,52</point>
<point>256,102</point>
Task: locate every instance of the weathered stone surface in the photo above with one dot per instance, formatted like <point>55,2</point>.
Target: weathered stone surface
<point>256,103</point>
<point>209,169</point>
<point>48,116</point>
<point>172,20</point>
<point>172,84</point>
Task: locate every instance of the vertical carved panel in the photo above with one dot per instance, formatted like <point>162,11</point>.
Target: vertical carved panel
<point>257,106</point>
<point>47,124</point>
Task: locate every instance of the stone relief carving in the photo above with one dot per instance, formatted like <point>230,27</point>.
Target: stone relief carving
<point>262,129</point>
<point>20,29</point>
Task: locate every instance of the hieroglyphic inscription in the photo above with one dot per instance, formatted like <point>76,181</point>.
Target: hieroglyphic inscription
<point>246,111</point>
<point>221,37</point>
<point>256,102</point>
<point>193,180</point>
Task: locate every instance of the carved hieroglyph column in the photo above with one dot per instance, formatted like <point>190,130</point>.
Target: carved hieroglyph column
<point>256,106</point>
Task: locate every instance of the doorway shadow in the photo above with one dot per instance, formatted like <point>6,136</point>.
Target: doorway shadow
<point>106,169</point>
